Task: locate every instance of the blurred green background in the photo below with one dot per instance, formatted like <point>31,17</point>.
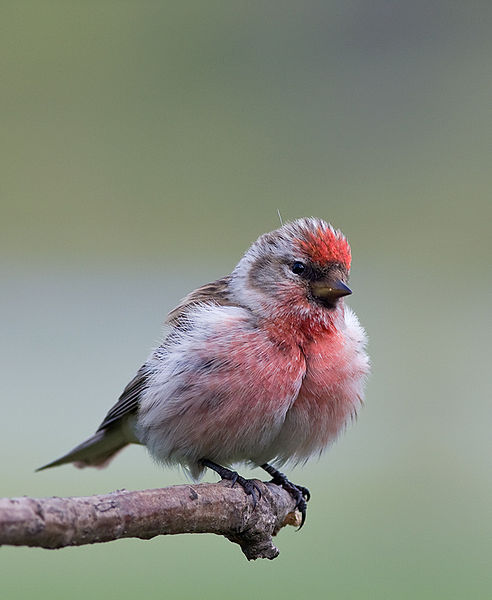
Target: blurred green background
<point>145,145</point>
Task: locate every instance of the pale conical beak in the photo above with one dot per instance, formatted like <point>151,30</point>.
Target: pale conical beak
<point>330,290</point>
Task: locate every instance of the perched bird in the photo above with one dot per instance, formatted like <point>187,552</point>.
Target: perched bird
<point>266,365</point>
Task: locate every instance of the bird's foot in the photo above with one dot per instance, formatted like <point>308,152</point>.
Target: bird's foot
<point>249,486</point>
<point>300,493</point>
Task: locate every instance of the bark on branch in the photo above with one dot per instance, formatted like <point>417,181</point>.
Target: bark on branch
<point>205,508</point>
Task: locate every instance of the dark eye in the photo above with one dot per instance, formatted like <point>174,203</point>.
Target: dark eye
<point>298,267</point>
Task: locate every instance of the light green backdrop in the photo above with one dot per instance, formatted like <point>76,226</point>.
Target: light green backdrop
<point>144,145</point>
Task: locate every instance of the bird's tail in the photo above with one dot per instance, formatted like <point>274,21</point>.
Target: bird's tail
<point>96,451</point>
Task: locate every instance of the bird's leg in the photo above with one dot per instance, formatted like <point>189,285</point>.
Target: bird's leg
<point>248,485</point>
<point>300,494</point>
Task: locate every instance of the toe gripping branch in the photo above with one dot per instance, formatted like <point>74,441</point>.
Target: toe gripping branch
<point>249,486</point>
<point>300,493</point>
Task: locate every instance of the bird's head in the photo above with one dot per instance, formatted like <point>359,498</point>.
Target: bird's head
<point>300,270</point>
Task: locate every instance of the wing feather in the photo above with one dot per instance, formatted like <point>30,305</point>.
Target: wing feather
<point>129,401</point>
<point>215,292</point>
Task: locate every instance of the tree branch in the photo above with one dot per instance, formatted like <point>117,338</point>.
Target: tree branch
<point>205,508</point>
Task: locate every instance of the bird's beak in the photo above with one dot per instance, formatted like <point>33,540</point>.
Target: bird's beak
<point>329,290</point>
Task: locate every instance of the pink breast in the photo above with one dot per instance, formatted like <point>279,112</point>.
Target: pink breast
<point>330,394</point>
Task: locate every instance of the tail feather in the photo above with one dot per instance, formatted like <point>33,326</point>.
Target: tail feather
<point>96,451</point>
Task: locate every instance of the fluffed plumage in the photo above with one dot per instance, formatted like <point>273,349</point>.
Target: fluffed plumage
<point>264,365</point>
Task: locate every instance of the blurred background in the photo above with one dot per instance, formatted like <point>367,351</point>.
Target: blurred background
<point>145,145</point>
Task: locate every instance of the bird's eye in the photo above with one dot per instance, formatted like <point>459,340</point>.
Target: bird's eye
<point>298,267</point>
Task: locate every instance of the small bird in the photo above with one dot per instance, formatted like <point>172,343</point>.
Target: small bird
<point>265,366</point>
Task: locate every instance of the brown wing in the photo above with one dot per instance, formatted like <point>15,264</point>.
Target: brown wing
<point>215,292</point>
<point>129,400</point>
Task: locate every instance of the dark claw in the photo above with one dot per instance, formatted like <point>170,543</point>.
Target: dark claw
<point>302,507</point>
<point>251,488</point>
<point>304,491</point>
<point>300,494</point>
